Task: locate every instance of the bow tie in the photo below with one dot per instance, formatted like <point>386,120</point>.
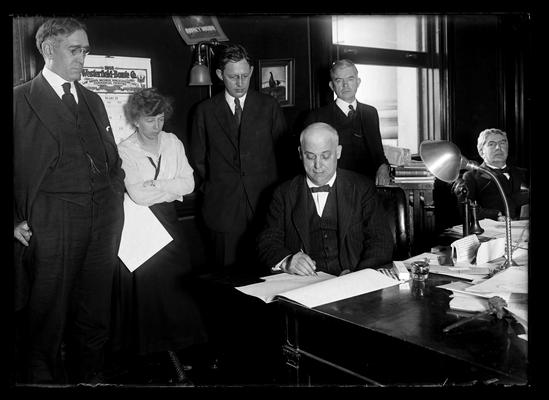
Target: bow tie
<point>323,188</point>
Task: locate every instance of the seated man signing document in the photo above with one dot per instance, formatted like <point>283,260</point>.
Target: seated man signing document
<point>326,220</point>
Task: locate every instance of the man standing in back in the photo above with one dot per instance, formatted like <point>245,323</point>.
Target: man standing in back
<point>356,123</point>
<point>235,140</point>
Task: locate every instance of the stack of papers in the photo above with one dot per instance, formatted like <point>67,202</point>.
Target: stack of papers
<point>495,229</point>
<point>510,284</point>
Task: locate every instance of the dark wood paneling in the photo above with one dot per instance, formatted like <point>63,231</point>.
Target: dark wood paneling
<point>475,72</point>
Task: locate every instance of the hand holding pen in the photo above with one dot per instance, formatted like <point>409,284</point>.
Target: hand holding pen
<point>301,264</point>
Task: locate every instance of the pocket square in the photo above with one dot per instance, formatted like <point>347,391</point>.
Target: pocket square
<point>358,135</point>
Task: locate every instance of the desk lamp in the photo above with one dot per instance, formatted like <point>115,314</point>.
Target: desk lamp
<point>444,160</point>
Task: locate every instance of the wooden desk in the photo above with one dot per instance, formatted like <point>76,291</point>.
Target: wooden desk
<point>394,337</point>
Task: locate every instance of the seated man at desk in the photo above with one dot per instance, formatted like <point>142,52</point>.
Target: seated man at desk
<point>326,220</point>
<point>477,186</point>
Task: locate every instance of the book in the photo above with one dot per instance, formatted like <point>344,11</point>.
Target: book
<point>412,172</point>
<point>317,290</point>
<point>413,179</point>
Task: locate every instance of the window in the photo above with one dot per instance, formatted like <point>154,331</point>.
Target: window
<point>396,57</point>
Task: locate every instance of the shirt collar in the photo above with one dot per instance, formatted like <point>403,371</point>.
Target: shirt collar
<point>344,106</point>
<point>330,182</point>
<point>491,166</point>
<point>56,82</point>
<point>230,100</point>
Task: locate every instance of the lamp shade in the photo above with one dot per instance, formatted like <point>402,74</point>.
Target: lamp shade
<point>200,76</point>
<point>443,159</point>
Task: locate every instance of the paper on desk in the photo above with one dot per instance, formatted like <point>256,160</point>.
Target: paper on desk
<point>342,287</point>
<point>512,279</point>
<point>313,291</point>
<point>490,250</point>
<point>495,229</point>
<point>465,249</point>
<point>142,235</point>
<point>468,303</point>
<point>280,283</point>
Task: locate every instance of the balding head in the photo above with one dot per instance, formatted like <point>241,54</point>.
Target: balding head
<point>319,151</point>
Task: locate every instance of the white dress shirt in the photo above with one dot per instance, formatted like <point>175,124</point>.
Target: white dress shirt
<point>320,198</point>
<point>56,82</point>
<point>344,106</point>
<point>230,101</point>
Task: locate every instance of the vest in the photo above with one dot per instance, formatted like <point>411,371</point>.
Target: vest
<point>81,168</point>
<point>351,138</point>
<point>323,235</point>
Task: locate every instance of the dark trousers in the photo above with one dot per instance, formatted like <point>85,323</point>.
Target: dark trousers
<point>234,250</point>
<point>72,256</point>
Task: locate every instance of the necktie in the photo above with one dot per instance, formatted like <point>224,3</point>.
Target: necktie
<point>323,188</point>
<point>237,111</point>
<point>68,98</point>
<point>156,166</point>
<point>351,112</point>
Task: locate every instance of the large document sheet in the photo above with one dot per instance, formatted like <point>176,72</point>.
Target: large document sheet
<point>322,289</point>
<point>142,236</point>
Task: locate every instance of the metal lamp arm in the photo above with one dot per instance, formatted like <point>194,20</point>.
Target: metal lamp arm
<point>508,248</point>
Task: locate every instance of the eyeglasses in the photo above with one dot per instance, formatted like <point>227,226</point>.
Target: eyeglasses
<point>492,144</point>
<point>76,51</point>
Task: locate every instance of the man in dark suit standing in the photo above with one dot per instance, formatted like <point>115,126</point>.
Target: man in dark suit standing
<point>68,214</point>
<point>356,123</point>
<point>328,220</point>
<point>235,139</point>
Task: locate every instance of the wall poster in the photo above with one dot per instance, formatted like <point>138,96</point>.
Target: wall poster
<point>114,79</point>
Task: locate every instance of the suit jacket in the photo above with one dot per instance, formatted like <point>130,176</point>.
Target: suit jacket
<point>369,121</point>
<point>483,189</point>
<point>364,238</point>
<point>235,168</point>
<point>36,114</point>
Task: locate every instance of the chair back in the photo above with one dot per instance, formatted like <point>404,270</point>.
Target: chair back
<point>394,202</point>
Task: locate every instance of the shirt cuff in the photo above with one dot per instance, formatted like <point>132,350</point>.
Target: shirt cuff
<point>278,267</point>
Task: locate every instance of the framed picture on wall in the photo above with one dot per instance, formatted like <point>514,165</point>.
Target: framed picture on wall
<point>276,78</point>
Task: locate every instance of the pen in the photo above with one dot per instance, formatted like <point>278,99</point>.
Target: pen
<point>301,251</point>
<point>465,320</point>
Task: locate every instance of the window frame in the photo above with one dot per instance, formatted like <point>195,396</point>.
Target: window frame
<point>434,107</point>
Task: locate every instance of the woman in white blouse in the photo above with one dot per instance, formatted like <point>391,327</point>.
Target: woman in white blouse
<point>163,316</point>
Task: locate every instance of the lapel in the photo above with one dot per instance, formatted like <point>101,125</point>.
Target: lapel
<point>48,107</point>
<point>224,117</point>
<point>337,114</point>
<point>345,191</point>
<point>300,212</point>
